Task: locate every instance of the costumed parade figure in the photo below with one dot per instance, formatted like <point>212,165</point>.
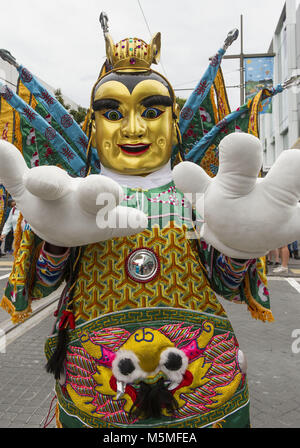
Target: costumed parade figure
<point>141,338</point>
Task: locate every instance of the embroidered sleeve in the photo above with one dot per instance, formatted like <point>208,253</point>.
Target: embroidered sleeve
<point>50,268</point>
<point>225,274</point>
<point>231,271</point>
<point>242,281</point>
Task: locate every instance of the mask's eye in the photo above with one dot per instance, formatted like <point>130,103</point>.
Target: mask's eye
<point>113,115</point>
<point>173,362</point>
<point>151,113</point>
<point>125,367</point>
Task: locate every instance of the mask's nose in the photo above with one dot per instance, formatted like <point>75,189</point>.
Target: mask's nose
<point>133,126</point>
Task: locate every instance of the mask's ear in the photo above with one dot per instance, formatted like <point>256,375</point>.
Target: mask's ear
<point>109,43</point>
<point>93,134</point>
<point>176,112</point>
<point>155,45</point>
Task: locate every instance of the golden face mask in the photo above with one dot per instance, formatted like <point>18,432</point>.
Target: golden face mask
<point>135,126</point>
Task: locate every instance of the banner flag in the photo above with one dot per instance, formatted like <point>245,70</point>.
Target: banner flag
<point>58,112</point>
<point>258,76</point>
<point>200,92</point>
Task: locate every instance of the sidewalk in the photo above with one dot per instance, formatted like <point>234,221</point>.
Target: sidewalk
<point>26,389</point>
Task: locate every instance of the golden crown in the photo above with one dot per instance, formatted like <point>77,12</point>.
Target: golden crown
<point>133,52</point>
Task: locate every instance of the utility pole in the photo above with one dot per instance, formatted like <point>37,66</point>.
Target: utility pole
<point>241,56</point>
<point>242,77</point>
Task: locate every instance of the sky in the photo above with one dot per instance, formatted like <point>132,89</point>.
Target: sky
<point>61,41</point>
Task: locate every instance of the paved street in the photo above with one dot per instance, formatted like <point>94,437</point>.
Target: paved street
<point>26,390</point>
<point>273,369</point>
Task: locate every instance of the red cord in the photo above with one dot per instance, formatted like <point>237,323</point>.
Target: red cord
<point>50,408</point>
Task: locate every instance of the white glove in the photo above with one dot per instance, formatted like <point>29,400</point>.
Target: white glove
<point>62,210</point>
<point>246,216</point>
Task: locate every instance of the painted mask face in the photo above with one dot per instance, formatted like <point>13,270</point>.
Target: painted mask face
<point>135,131</point>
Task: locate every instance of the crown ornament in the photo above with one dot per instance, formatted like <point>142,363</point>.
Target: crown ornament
<point>133,53</point>
<point>130,53</point>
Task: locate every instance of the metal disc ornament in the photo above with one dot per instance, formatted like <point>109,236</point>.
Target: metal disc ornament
<point>142,265</point>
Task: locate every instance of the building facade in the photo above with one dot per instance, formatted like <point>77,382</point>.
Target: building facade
<point>9,76</point>
<point>280,129</point>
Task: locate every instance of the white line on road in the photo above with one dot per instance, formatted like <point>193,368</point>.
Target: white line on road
<point>293,281</point>
<point>283,278</point>
<point>4,276</point>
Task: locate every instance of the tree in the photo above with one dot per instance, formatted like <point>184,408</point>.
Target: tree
<point>180,102</point>
<point>59,97</point>
<point>79,114</point>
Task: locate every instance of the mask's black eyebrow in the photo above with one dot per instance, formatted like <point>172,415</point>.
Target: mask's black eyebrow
<point>157,100</point>
<point>105,103</point>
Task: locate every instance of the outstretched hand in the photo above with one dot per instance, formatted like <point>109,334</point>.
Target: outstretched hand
<point>67,211</point>
<point>245,216</point>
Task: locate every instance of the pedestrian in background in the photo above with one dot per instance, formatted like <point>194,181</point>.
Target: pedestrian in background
<point>3,209</point>
<point>10,226</point>
<point>292,249</point>
<point>285,257</point>
<point>294,252</point>
<point>270,255</point>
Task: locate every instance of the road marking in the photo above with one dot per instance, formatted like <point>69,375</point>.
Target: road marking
<point>283,278</point>
<point>4,276</point>
<point>293,283</point>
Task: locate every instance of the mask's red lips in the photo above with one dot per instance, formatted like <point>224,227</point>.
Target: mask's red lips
<point>136,149</point>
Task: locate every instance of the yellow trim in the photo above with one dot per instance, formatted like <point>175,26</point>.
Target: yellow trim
<point>88,151</point>
<point>58,423</point>
<point>32,272</point>
<point>16,316</point>
<point>223,108</point>
<point>257,311</point>
<point>254,107</point>
<point>219,423</point>
<point>18,140</point>
<point>18,235</point>
<point>213,103</point>
<point>7,305</point>
<point>263,276</point>
<point>84,126</point>
<point>6,121</point>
